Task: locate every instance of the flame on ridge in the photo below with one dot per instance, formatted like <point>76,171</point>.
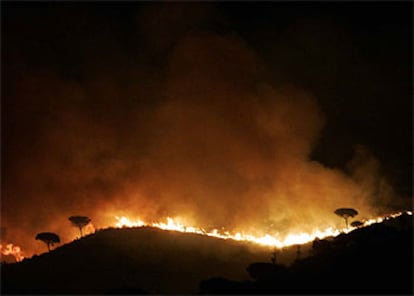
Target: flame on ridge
<point>265,240</point>
<point>174,224</point>
<point>385,217</point>
<point>13,250</point>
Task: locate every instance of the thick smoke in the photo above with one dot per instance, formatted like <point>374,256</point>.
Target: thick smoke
<point>187,127</point>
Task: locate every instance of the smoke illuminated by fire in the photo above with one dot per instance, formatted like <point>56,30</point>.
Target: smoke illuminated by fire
<point>13,250</point>
<point>186,124</point>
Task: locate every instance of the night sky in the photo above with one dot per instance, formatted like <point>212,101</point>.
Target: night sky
<point>356,57</point>
<point>206,105</point>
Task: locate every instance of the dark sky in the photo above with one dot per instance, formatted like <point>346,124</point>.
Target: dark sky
<point>100,97</point>
<point>356,57</point>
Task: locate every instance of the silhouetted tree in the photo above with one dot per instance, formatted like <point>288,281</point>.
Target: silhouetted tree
<point>346,213</point>
<point>80,222</point>
<point>49,238</point>
<point>356,224</point>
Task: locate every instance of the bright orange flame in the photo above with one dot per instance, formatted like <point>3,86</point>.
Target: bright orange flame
<point>13,250</point>
<point>265,240</point>
<point>385,217</point>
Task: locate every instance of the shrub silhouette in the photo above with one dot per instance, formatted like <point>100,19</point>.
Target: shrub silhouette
<point>49,238</point>
<point>80,222</point>
<point>346,213</point>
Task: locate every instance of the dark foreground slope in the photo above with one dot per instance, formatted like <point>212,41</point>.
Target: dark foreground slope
<point>373,260</point>
<point>134,260</point>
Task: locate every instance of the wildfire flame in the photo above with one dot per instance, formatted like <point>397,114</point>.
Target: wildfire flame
<point>270,240</point>
<point>386,217</point>
<point>174,224</point>
<point>13,250</point>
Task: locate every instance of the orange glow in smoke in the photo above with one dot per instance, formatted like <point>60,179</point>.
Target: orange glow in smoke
<point>13,250</point>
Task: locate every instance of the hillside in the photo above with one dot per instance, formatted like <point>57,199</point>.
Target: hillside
<point>373,260</point>
<point>148,259</point>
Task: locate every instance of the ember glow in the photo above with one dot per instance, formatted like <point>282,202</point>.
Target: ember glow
<point>271,240</point>
<point>13,250</point>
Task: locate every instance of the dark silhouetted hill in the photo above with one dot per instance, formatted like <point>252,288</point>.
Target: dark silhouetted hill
<point>377,259</point>
<point>131,261</point>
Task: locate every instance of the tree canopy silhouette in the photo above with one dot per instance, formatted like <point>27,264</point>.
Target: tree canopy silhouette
<point>356,224</point>
<point>49,238</point>
<point>346,213</point>
<point>80,222</point>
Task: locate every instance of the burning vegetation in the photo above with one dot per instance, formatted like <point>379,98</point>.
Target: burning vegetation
<point>272,240</point>
<point>171,224</point>
<point>200,139</point>
<point>11,250</point>
<point>146,259</point>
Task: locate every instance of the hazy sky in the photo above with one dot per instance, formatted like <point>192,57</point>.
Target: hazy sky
<point>231,114</point>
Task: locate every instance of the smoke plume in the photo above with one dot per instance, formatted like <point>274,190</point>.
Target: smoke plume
<point>186,126</point>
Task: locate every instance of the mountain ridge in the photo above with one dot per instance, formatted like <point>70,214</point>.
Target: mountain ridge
<point>151,260</point>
